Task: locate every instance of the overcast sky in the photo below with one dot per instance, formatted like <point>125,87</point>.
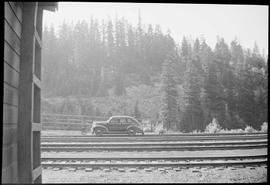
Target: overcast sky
<point>247,23</point>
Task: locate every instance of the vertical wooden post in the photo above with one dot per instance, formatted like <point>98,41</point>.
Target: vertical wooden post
<point>25,116</point>
<point>29,164</point>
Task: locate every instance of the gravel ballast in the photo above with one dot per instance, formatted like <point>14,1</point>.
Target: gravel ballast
<point>190,175</point>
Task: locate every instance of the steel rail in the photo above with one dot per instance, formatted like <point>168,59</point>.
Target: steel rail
<point>173,158</point>
<point>151,144</point>
<point>152,139</point>
<point>155,148</point>
<point>171,134</point>
<point>171,164</point>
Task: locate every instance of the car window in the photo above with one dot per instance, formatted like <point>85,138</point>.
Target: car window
<point>115,120</point>
<point>123,120</point>
<point>130,120</point>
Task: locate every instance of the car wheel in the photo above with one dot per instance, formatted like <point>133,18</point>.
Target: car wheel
<point>99,132</point>
<point>84,131</point>
<point>131,132</point>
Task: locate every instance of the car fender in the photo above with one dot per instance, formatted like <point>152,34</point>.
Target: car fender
<point>100,126</point>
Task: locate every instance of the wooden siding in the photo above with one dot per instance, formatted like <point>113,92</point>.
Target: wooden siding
<point>20,26</point>
<point>12,38</point>
<point>9,159</point>
<point>16,8</point>
<point>12,20</point>
<point>10,114</point>
<point>10,135</point>
<point>12,42</point>
<point>10,173</point>
<point>11,76</point>
<point>11,57</point>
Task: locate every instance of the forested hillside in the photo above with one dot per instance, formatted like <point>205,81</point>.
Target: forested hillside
<point>113,67</point>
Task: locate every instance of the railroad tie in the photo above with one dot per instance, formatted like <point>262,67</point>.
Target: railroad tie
<point>80,168</point>
<point>107,170</point>
<point>251,167</point>
<point>77,162</point>
<point>240,166</point>
<point>148,170</point>
<point>167,168</point>
<point>204,169</point>
<point>88,169</point>
<point>121,170</point>
<point>133,170</point>
<point>71,169</point>
<point>195,169</point>
<point>232,168</point>
<point>220,168</point>
<point>161,169</point>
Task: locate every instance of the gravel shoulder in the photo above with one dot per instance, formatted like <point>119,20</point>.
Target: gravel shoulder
<point>191,175</point>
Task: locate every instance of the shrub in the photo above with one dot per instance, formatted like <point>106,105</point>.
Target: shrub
<point>159,129</point>
<point>213,127</point>
<point>225,131</point>
<point>264,127</point>
<point>232,131</point>
<point>237,131</point>
<point>250,129</point>
<point>147,129</point>
<point>196,131</point>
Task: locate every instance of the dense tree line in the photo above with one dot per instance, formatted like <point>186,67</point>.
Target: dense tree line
<point>93,59</point>
<point>226,84</point>
<point>90,58</point>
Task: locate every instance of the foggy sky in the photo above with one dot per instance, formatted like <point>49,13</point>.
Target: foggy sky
<point>247,23</point>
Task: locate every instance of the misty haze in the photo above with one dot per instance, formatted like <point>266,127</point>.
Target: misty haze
<point>191,82</point>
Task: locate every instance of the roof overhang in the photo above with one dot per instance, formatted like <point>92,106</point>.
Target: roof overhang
<point>50,6</point>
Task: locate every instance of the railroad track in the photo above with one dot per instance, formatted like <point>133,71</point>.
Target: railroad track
<point>164,146</point>
<point>153,143</point>
<point>155,148</point>
<point>124,144</point>
<point>144,162</point>
<point>169,134</point>
<point>152,138</point>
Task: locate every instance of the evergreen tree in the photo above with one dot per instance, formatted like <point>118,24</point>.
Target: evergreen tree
<point>119,88</point>
<point>193,116</point>
<point>169,94</point>
<point>252,86</point>
<point>196,48</point>
<point>185,51</point>
<point>246,104</point>
<point>222,56</point>
<point>215,99</point>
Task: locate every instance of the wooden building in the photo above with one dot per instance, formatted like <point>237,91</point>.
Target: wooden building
<point>21,101</point>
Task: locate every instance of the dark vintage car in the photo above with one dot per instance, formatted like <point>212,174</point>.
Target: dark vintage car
<point>117,125</point>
